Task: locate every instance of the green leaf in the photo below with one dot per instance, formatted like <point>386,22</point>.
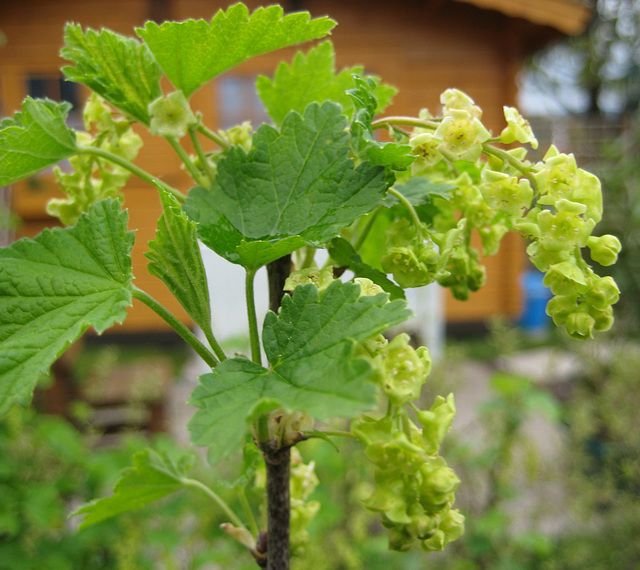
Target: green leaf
<point>389,154</point>
<point>175,259</point>
<point>309,347</point>
<point>35,139</point>
<point>153,476</point>
<point>193,52</point>
<point>342,252</point>
<point>119,69</point>
<point>216,232</point>
<point>312,78</point>
<point>53,287</point>
<point>295,186</point>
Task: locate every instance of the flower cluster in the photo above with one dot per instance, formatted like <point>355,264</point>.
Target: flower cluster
<point>553,203</point>
<point>412,260</point>
<point>414,487</point>
<point>302,484</point>
<point>568,207</point>
<point>91,179</point>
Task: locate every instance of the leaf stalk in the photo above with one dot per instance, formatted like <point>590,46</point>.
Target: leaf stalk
<point>176,325</point>
<point>254,336</point>
<point>139,172</point>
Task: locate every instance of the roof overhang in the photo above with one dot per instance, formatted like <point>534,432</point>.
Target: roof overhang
<point>569,17</point>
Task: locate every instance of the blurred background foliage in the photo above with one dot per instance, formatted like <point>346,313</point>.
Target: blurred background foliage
<point>590,491</point>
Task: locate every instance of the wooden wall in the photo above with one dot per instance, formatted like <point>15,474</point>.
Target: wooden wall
<point>420,47</point>
<point>34,31</point>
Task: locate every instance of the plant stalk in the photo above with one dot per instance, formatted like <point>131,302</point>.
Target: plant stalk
<point>142,174</point>
<point>254,336</point>
<point>177,326</point>
<point>186,160</point>
<point>278,461</point>
<point>278,508</point>
<point>215,498</point>
<point>202,157</point>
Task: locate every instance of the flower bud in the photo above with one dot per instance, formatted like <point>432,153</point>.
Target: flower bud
<point>456,99</point>
<point>399,539</point>
<point>452,524</point>
<point>603,293</point>
<point>436,542</point>
<point>580,325</point>
<point>440,482</point>
<point>604,249</point>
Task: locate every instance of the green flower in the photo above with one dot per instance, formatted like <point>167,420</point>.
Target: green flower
<point>556,177</point>
<point>171,115</point>
<point>321,278</point>
<point>367,287</point>
<point>412,266</point>
<point>507,194</point>
<point>517,129</point>
<point>404,370</point>
<point>588,191</point>
<point>452,524</point>
<point>565,278</point>
<point>425,147</point>
<point>436,421</point>
<point>566,228</point>
<point>462,135</point>
<point>543,258</point>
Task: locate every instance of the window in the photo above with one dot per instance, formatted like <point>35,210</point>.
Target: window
<point>54,87</point>
<point>238,101</point>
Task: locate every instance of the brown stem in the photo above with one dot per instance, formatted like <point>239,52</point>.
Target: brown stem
<point>277,461</point>
<point>278,508</point>
<point>277,272</point>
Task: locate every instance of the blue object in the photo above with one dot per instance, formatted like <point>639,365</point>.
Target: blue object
<point>534,319</point>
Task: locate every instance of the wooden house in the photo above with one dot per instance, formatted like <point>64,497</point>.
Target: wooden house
<point>420,46</point>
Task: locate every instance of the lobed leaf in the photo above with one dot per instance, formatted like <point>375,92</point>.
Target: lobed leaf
<point>153,476</point>
<point>313,78</point>
<point>309,347</point>
<point>34,139</point>
<point>53,287</point>
<point>119,69</point>
<point>389,154</point>
<point>216,232</point>
<point>174,257</point>
<point>193,52</point>
<point>295,186</point>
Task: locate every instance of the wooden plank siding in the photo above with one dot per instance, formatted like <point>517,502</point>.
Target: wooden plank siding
<point>422,47</point>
